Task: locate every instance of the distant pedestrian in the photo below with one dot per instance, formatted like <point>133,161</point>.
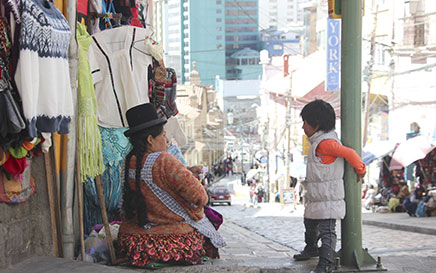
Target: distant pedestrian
<point>324,185</point>
<point>370,200</point>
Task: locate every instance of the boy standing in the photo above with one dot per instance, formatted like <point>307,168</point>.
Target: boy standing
<point>324,186</point>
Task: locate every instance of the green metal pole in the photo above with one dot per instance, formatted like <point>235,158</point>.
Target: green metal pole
<point>351,253</point>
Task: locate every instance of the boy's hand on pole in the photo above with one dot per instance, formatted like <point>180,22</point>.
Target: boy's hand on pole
<point>360,176</point>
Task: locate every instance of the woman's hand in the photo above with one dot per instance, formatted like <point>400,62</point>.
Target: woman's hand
<point>196,171</point>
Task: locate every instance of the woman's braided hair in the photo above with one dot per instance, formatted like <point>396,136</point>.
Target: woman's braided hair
<point>133,201</point>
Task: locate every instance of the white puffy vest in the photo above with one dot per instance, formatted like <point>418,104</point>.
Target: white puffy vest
<point>324,186</point>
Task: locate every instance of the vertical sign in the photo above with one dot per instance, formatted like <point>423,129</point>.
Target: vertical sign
<point>333,54</point>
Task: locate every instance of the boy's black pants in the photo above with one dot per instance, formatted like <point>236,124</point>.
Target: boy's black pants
<point>324,230</point>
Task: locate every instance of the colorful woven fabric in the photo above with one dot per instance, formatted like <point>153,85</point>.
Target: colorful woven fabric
<point>144,249</point>
<point>169,105</point>
<point>16,189</point>
<point>115,147</point>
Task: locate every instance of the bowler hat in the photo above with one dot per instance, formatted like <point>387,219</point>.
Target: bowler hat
<point>141,117</point>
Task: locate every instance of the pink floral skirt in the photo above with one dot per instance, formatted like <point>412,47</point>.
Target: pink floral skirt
<point>187,249</point>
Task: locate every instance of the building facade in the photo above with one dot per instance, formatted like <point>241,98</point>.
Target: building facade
<point>208,33</point>
<point>280,14</point>
<point>202,122</point>
<point>414,49</point>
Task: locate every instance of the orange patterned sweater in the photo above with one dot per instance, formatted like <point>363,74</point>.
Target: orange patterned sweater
<point>173,177</point>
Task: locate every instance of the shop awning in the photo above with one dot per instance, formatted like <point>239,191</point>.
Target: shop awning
<point>307,74</point>
<point>410,151</point>
<point>376,149</point>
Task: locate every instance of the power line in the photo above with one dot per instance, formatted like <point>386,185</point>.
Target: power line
<point>393,74</point>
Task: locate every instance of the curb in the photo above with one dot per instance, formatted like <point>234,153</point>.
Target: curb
<point>423,230</point>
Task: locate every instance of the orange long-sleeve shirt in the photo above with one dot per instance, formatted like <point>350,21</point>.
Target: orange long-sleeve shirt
<point>329,149</point>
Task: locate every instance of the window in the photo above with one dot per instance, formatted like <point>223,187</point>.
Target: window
<point>219,11</point>
<point>240,21</point>
<point>219,20</point>
<point>252,61</point>
<point>219,29</point>
<point>240,12</point>
<point>229,62</point>
<point>244,61</point>
<point>241,29</point>
<point>419,34</point>
<point>218,2</point>
<point>241,4</point>
<point>219,37</point>
<point>277,47</point>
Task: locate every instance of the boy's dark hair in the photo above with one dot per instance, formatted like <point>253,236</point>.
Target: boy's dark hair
<point>133,201</point>
<point>319,113</point>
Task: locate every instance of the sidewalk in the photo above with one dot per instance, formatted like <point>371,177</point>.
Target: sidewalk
<point>401,221</point>
<point>247,252</point>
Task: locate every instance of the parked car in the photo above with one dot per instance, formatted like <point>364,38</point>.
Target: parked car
<point>220,195</point>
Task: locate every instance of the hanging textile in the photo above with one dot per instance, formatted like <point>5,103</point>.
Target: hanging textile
<point>16,189</point>
<point>14,6</point>
<point>143,13</point>
<point>107,7</point>
<point>82,11</point>
<point>169,106</point>
<point>135,20</point>
<point>11,117</point>
<point>43,44</point>
<point>124,7</point>
<point>156,83</point>
<point>95,7</point>
<point>118,58</point>
<point>115,148</point>
<point>89,138</point>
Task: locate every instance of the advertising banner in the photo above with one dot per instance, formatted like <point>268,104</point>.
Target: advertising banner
<point>333,54</point>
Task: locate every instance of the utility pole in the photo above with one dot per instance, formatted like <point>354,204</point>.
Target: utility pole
<point>266,147</point>
<point>351,253</point>
<point>288,118</point>
<point>369,76</point>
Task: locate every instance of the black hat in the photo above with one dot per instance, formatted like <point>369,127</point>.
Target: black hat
<point>141,117</point>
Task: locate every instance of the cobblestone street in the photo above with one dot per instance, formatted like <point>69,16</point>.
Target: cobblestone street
<point>284,226</point>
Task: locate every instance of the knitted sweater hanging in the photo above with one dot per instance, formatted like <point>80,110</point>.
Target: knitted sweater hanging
<point>42,74</point>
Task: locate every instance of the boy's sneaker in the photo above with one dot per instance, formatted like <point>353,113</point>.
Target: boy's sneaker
<point>306,254</point>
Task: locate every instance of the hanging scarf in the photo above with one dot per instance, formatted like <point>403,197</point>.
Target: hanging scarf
<point>89,138</point>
